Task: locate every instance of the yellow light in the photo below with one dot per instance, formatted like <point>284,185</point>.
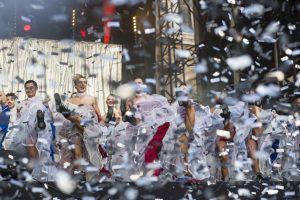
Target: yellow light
<point>73,20</point>
<point>73,24</point>
<point>134,23</point>
<point>73,11</point>
<point>134,17</point>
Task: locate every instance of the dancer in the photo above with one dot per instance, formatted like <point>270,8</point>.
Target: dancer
<point>238,122</point>
<point>33,130</point>
<point>139,139</point>
<point>113,115</point>
<point>83,118</point>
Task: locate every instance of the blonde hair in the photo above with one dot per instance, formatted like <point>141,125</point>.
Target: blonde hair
<point>76,78</point>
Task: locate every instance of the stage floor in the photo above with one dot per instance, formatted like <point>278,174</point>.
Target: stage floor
<point>119,190</point>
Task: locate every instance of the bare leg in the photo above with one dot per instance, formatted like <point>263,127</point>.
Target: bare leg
<point>78,148</point>
<point>76,121</point>
<point>252,146</point>
<point>183,142</point>
<point>32,152</point>
<point>221,145</point>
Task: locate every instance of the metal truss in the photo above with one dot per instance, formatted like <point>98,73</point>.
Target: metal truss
<point>168,40</point>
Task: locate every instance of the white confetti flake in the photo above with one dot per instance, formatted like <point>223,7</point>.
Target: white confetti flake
<point>26,19</point>
<point>201,67</point>
<point>272,192</point>
<point>244,192</point>
<point>144,181</point>
<point>120,145</point>
<point>289,193</point>
<point>113,24</point>
<point>268,90</point>
<point>239,62</point>
<point>223,133</point>
<point>173,17</point>
<point>280,187</point>
<point>253,11</point>
<point>125,91</point>
<point>37,7</point>
<point>279,75</point>
<point>131,193</point>
<point>181,53</point>
<point>37,190</point>
<point>112,191</point>
<point>59,18</point>
<point>153,166</point>
<point>149,30</point>
<point>64,182</point>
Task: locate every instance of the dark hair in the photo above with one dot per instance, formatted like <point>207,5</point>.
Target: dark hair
<point>13,95</point>
<point>31,81</point>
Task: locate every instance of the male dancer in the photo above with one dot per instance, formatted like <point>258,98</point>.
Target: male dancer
<point>185,120</point>
<point>83,112</point>
<point>33,119</point>
<point>143,104</point>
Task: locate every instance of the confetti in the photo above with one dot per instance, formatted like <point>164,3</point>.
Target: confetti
<point>239,63</point>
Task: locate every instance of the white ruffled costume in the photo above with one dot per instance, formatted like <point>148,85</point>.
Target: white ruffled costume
<point>129,142</point>
<point>243,122</point>
<point>92,137</point>
<point>25,132</point>
<point>202,151</point>
<point>280,128</point>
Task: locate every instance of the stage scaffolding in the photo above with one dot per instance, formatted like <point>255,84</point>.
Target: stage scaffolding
<point>169,39</point>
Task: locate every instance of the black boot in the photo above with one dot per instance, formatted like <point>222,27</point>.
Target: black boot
<point>40,119</point>
<point>260,177</point>
<point>60,107</point>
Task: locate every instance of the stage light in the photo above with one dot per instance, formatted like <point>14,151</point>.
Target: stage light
<point>82,33</point>
<point>134,24</point>
<point>27,27</point>
<point>73,18</point>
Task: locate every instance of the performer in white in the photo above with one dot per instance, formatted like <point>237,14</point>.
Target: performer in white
<point>34,131</point>
<point>139,139</point>
<point>82,127</point>
<point>238,124</point>
<point>196,130</point>
<point>278,146</point>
